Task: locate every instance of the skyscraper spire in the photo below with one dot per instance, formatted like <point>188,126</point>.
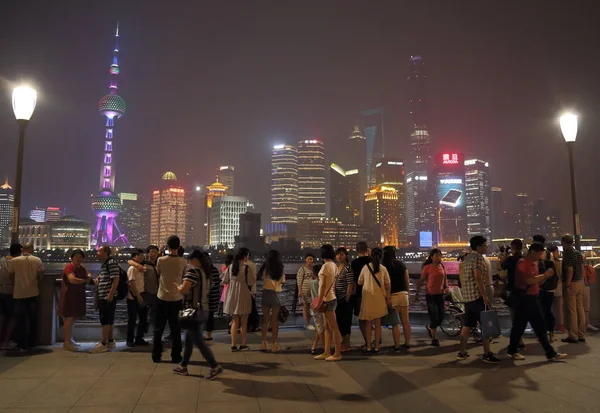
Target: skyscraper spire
<point>114,68</point>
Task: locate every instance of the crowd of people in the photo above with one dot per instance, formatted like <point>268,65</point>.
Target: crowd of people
<point>375,287</point>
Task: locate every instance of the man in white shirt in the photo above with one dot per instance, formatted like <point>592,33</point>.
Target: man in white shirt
<point>136,307</point>
<point>27,272</point>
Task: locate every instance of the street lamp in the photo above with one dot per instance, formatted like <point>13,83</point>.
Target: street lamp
<point>568,126</point>
<point>23,100</point>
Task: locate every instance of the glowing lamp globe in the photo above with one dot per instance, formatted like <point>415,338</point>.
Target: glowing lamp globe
<point>568,126</point>
<point>23,100</point>
<point>106,204</point>
<point>112,106</point>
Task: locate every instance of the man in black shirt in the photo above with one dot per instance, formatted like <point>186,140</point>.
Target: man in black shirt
<point>357,266</point>
<point>509,263</point>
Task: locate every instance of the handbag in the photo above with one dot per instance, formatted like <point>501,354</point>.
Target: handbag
<point>315,301</point>
<point>191,318</point>
<point>283,314</point>
<point>490,323</point>
<point>390,307</point>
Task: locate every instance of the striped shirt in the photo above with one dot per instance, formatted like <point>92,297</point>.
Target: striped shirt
<point>572,259</point>
<point>215,290</point>
<point>196,294</point>
<point>344,279</point>
<point>108,272</point>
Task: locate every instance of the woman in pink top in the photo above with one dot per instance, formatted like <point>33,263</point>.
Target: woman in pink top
<point>433,271</point>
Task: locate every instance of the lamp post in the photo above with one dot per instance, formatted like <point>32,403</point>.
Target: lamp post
<point>23,100</point>
<point>568,126</point>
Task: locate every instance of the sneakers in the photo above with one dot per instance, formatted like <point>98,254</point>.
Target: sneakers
<point>490,358</point>
<point>111,345</point>
<point>569,340</point>
<point>435,342</point>
<point>557,357</point>
<point>463,355</point>
<point>310,327</point>
<point>69,346</point>
<point>244,348</point>
<point>99,348</point>
<point>592,328</point>
<point>181,371</point>
<point>141,342</point>
<point>516,356</point>
<point>76,344</point>
<point>214,373</point>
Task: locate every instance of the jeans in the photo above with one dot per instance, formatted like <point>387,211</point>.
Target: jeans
<point>528,309</point>
<point>546,301</point>
<point>195,337</point>
<point>575,308</point>
<point>343,314</point>
<point>134,310</point>
<point>435,308</point>
<point>26,314</point>
<point>167,311</point>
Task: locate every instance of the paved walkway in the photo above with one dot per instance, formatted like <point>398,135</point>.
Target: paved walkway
<point>424,379</point>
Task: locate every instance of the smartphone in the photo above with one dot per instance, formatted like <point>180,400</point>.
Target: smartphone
<point>451,198</point>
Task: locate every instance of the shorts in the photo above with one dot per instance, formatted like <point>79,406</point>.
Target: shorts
<point>107,312</point>
<point>331,305</point>
<point>270,299</point>
<point>6,305</point>
<point>586,298</point>
<point>473,311</point>
<point>306,300</point>
<point>400,299</point>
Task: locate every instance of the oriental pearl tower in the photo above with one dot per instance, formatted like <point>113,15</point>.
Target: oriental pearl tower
<point>106,204</point>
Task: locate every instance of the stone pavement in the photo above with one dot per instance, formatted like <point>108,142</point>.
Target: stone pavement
<point>424,379</point>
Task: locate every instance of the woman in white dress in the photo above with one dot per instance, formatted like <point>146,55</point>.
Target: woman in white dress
<point>239,277</point>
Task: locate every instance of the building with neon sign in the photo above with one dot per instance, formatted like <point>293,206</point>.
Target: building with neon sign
<point>312,201</point>
<point>450,198</point>
<point>168,211</point>
<point>284,184</point>
<point>477,186</point>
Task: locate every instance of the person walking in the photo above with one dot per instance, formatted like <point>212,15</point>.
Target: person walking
<point>106,286</point>
<point>196,289</point>
<point>170,269</point>
<point>136,307</point>
<point>239,277</point>
<point>344,285</point>
<point>572,267</point>
<point>375,297</point>
<point>7,287</point>
<point>472,277</point>
<point>273,280</point>
<point>547,289</point>
<point>362,250</point>
<point>303,278</point>
<point>327,301</point>
<point>527,306</point>
<point>434,273</point>
<point>213,295</point>
<point>400,286</point>
<point>27,272</point>
<point>71,303</point>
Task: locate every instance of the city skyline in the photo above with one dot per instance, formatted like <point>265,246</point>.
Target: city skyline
<point>459,120</point>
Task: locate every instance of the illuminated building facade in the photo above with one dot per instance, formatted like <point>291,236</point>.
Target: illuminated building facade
<point>168,211</point>
<point>523,213</point>
<point>38,214</point>
<point>106,204</point>
<point>390,172</point>
<point>418,106</point>
<point>477,186</point>
<point>134,218</point>
<point>284,185</point>
<point>226,176</point>
<point>420,223</point>
<point>381,215</point>
<point>373,130</point>
<point>356,154</point>
<point>344,191</point>
<point>450,198</point>
<point>311,179</point>
<point>225,219</point>
<point>66,233</point>
<point>7,201</point>
<point>54,214</point>
<point>315,233</point>
<point>213,191</point>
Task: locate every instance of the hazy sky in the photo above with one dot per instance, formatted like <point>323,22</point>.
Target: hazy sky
<point>209,83</point>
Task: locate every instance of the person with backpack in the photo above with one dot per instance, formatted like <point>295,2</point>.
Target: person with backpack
<point>107,283</point>
<point>509,264</point>
<point>196,289</point>
<point>136,307</point>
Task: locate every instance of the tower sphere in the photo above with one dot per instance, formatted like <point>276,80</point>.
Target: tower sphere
<point>112,106</point>
<point>106,203</point>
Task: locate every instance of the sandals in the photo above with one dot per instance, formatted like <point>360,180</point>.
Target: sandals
<point>313,351</point>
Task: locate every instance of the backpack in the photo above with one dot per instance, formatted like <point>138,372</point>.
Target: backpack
<point>123,287</point>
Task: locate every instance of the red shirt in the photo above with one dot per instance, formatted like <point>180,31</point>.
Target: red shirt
<point>436,276</point>
<point>527,269</point>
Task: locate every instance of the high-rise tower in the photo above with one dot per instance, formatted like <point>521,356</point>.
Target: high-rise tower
<point>284,185</point>
<point>477,186</point>
<point>7,200</point>
<point>226,176</point>
<point>106,204</point>
<point>311,179</point>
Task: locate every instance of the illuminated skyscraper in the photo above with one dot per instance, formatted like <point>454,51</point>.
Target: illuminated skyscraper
<point>419,206</point>
<point>135,218</point>
<point>373,130</point>
<point>284,185</point>
<point>225,219</point>
<point>345,196</point>
<point>38,214</point>
<point>54,213</point>
<point>356,153</point>
<point>450,197</point>
<point>381,215</point>
<point>477,185</point>
<point>418,106</point>
<point>168,211</point>
<point>226,176</point>
<point>106,204</point>
<point>522,224</point>
<point>311,179</point>
<point>212,191</point>
<point>390,172</point>
<point>7,200</point>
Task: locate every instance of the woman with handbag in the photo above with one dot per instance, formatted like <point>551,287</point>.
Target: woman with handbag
<point>434,273</point>
<point>239,277</point>
<point>375,297</point>
<point>273,280</point>
<point>195,289</point>
<point>326,303</point>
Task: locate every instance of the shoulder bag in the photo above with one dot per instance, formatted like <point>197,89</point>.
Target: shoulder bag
<point>392,318</point>
<point>191,318</point>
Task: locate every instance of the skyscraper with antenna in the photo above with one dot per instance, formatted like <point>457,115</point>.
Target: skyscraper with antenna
<point>106,204</point>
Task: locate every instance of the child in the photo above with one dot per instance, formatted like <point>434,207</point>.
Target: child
<point>318,317</point>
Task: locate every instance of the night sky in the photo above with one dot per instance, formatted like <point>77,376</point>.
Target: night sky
<point>209,83</point>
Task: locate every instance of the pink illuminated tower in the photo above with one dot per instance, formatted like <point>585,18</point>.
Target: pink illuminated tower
<point>106,204</point>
